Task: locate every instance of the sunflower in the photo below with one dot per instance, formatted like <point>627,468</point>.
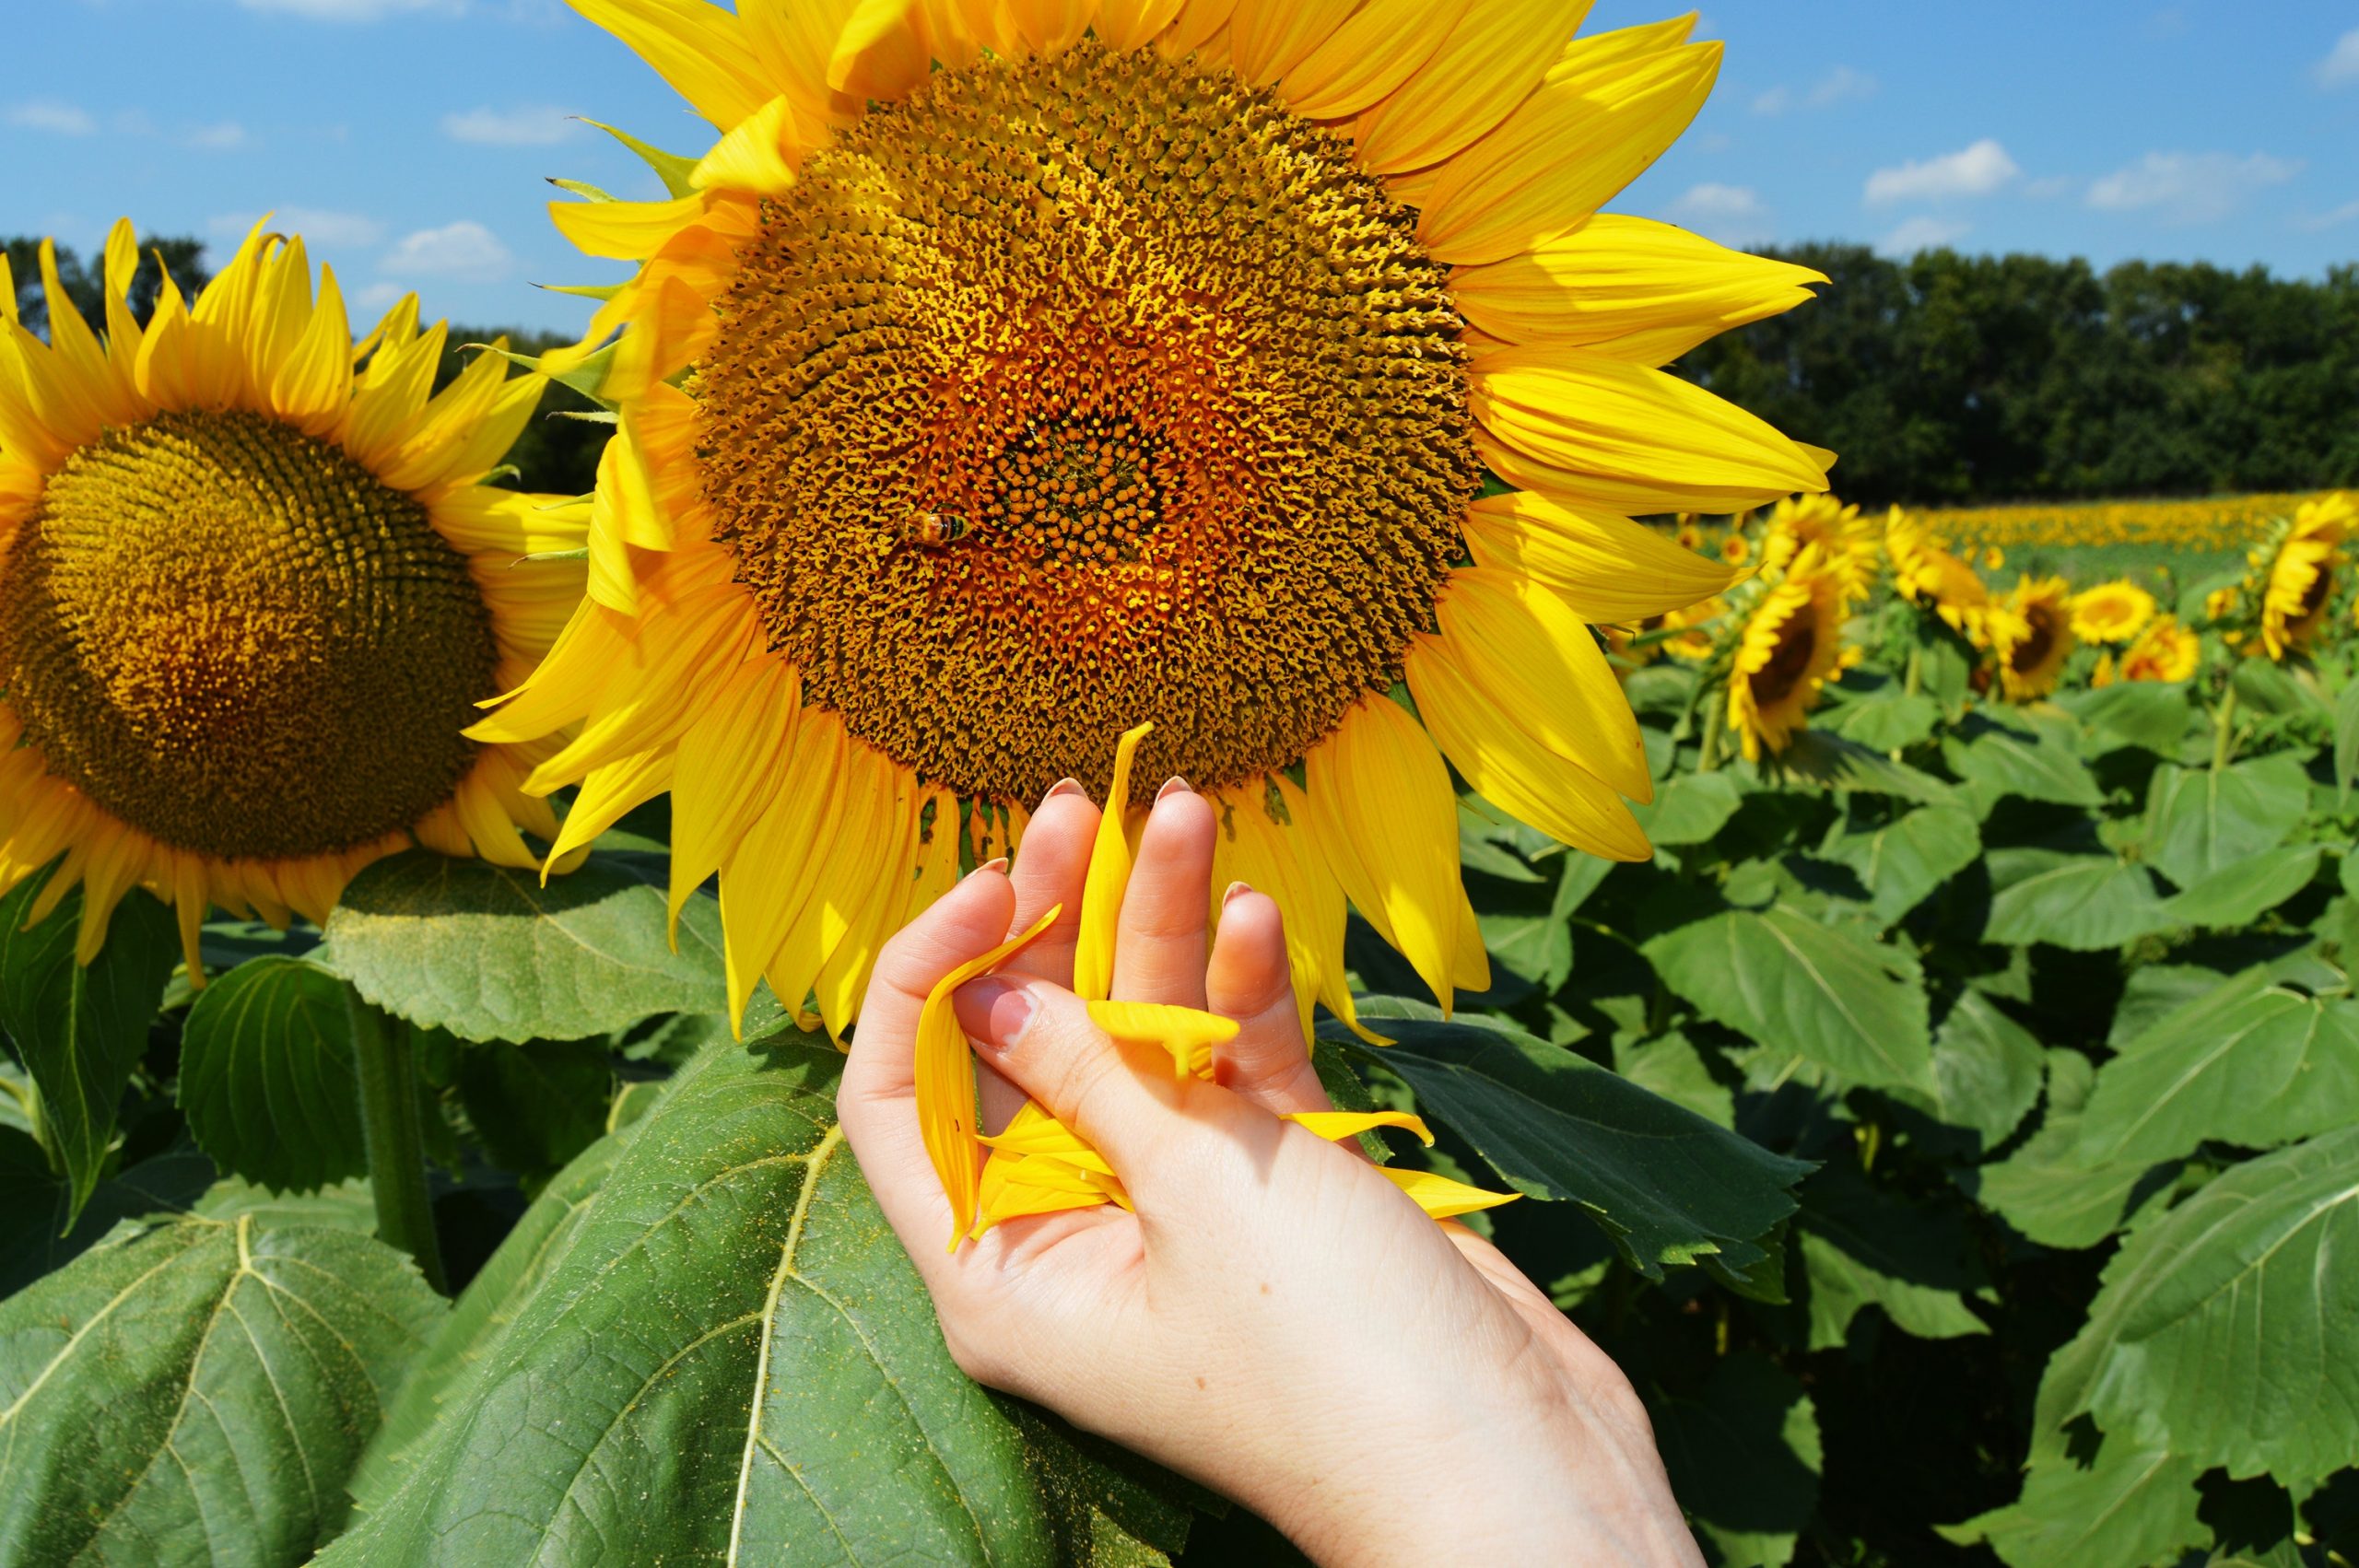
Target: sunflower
<point>2111,612</point>
<point>1927,574</point>
<point>1010,372</point>
<point>1735,548</point>
<point>2030,636</point>
<point>1792,642</point>
<point>2165,650</point>
<point>252,592</point>
<point>2294,574</point>
<point>1847,542</point>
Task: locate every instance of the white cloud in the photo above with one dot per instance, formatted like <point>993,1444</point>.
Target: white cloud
<point>1976,171</point>
<point>465,250</point>
<point>351,10</point>
<point>2333,218</point>
<point>536,126</point>
<point>1922,233</point>
<point>2188,188</point>
<point>1731,214</point>
<point>222,137</point>
<point>318,226</point>
<point>2341,67</point>
<point>57,119</point>
<point>1838,85</point>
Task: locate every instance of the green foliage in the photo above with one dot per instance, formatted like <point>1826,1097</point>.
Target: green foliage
<point>266,1075</point>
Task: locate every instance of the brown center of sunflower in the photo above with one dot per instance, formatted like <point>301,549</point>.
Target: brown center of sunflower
<point>2032,652</point>
<point>232,637</point>
<point>1071,393</point>
<point>1776,680</point>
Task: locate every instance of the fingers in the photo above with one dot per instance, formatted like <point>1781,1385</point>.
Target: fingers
<point>1249,979</point>
<point>1049,871</point>
<point>1159,944</point>
<point>1040,1038</point>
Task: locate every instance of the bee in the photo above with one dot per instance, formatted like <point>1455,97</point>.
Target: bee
<point>929,530</point>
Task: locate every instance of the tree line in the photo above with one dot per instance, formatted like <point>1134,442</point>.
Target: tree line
<point>1944,378</point>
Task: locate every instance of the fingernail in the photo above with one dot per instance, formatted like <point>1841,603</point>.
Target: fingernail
<point>1062,787</point>
<point>1235,888</point>
<point>996,863</point>
<point>993,1012</point>
<point>1175,785</point>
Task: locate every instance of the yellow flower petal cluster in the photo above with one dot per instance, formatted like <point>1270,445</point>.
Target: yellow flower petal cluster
<point>1791,643</point>
<point>2111,612</point>
<point>2030,636</point>
<point>2201,523</point>
<point>2165,650</point>
<point>2295,581</point>
<point>1848,544</point>
<point>1925,573</point>
<point>253,591</point>
<point>1004,370</point>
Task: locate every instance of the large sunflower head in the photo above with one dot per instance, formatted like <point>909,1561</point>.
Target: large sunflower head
<point>1792,641</point>
<point>1847,542</point>
<point>1006,373</point>
<point>252,592</point>
<point>2111,612</point>
<point>2030,634</point>
<point>1925,574</point>
<point>2294,574</point>
<point>2165,650</point>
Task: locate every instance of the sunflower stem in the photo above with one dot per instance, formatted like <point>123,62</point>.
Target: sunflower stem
<point>1912,680</point>
<point>1712,728</point>
<point>395,1137</point>
<point>2223,729</point>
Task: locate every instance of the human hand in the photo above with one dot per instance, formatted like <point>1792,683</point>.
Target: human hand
<point>1275,1318</point>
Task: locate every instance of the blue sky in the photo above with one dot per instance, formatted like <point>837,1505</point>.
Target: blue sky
<point>409,138</point>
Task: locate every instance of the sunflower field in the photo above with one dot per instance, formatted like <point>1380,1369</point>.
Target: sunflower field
<point>1899,1008</point>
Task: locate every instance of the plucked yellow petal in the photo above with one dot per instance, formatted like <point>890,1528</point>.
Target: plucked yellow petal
<point>1110,873</point>
<point>1188,1034</point>
<point>1585,429</point>
<point>1384,43</point>
<point>945,1079</point>
<point>1336,1126</point>
<point>1441,1197</point>
<point>1269,38</point>
<point>1609,570</point>
<point>1565,152</point>
<point>1629,287</point>
<point>1382,805</point>
<point>1490,62</point>
<point>700,49</point>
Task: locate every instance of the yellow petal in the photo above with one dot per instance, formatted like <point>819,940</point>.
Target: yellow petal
<point>1110,873</point>
<point>1125,24</point>
<point>1032,1130</point>
<point>1519,642</point>
<point>1567,150</point>
<point>1630,439</point>
<point>1269,38</point>
<point>700,49</point>
<point>1187,1033</point>
<point>759,156</point>
<point>1280,858</point>
<point>1630,288</point>
<point>1384,44</point>
<point>1442,1198</point>
<point>1609,570</point>
<point>626,231</point>
<point>608,793</point>
<point>843,977</point>
<point>1490,62</point>
<point>743,733</point>
<point>1336,1126</point>
<point>1382,805</point>
<point>766,879</point>
<point>1603,49</point>
<point>1051,27</point>
<point>945,1079</point>
<point>1193,28</point>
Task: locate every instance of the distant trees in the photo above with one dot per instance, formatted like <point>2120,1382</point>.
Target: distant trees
<point>1950,377</point>
<point>86,284</point>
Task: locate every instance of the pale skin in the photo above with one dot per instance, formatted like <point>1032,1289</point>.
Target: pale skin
<point>1276,1319</point>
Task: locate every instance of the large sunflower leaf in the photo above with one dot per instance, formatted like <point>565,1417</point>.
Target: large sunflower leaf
<point>1861,1247</point>
<point>489,954</point>
<point>2200,821</point>
<point>1667,1185</point>
<point>2088,903</point>
<point>196,1390</point>
<point>718,1349</point>
<point>80,1029</point>
<point>2132,1507</point>
<point>1902,860</point>
<point>2042,1189</point>
<point>1996,761</point>
<point>2151,714</point>
<point>2241,892</point>
<point>1745,1458</point>
<point>1822,992</point>
<point>267,1079</point>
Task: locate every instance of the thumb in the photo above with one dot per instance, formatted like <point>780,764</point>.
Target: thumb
<point>1042,1037</point>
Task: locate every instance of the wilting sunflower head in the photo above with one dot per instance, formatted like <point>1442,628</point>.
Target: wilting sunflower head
<point>1008,372</point>
<point>2031,637</point>
<point>1927,574</point>
<point>252,592</point>
<point>2165,650</point>
<point>2295,575</point>
<point>2111,612</point>
<point>1792,641</point>
<point>1846,541</point>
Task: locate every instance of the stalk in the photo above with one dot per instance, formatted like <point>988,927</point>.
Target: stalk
<point>2224,731</point>
<point>396,1139</point>
<point>1712,729</point>
<point>1913,679</point>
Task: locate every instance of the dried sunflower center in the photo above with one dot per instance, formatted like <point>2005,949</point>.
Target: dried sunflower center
<point>1073,393</point>
<point>232,637</point>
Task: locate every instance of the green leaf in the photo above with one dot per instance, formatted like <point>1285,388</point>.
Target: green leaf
<point>79,1031</point>
<point>2346,740</point>
<point>1886,720</point>
<point>1903,861</point>
<point>2240,893</point>
<point>1744,1459</point>
<point>1540,947</point>
<point>1996,761</point>
<point>2219,1328</point>
<point>1836,999</point>
<point>1665,1184</point>
<point>36,1235</point>
<point>2044,1191</point>
<point>2087,903</point>
<point>489,954</point>
<point>2254,1062</point>
<point>1689,808</point>
<point>196,1390</point>
<point>537,1105</point>
<point>1835,763</point>
<point>1671,1066</point>
<point>1987,1071</point>
<point>727,1355</point>
<point>2265,686</point>
<point>2199,821</point>
<point>1863,1247</point>
<point>2135,1507</point>
<point>266,1075</point>
<point>2152,714</point>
